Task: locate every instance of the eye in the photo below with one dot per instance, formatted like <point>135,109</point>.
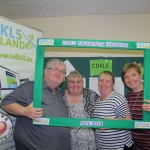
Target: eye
<point>63,72</point>
<point>71,82</point>
<point>134,74</point>
<point>100,80</point>
<point>55,69</point>
<point>107,81</point>
<point>125,77</point>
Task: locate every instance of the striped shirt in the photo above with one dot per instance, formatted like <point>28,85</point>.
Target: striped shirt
<point>141,138</point>
<point>113,107</point>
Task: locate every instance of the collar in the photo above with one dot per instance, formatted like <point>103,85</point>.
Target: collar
<point>46,86</point>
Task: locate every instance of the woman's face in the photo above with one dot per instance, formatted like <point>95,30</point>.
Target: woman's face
<point>75,86</point>
<point>132,79</point>
<point>105,84</point>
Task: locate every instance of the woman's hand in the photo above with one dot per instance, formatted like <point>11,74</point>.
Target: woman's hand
<point>146,106</point>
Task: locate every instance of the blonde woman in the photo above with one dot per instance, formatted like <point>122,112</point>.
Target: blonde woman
<point>80,102</point>
<point>111,105</point>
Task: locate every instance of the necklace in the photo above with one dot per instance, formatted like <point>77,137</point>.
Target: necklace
<point>134,104</point>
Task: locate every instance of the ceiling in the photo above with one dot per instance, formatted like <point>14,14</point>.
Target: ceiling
<point>16,9</point>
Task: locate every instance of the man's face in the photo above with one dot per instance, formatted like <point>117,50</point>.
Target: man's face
<point>54,75</point>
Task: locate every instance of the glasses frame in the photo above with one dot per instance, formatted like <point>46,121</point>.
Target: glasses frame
<point>93,123</point>
<point>56,69</point>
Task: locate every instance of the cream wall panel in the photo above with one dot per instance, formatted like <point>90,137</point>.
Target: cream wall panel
<point>102,27</point>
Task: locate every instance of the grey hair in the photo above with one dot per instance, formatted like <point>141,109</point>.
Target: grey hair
<point>74,74</point>
<point>55,60</point>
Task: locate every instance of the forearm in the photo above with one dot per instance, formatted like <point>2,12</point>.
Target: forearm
<point>15,109</point>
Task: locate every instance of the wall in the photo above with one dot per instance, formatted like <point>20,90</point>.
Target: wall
<point>103,27</point>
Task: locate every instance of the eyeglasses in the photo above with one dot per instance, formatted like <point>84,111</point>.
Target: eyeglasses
<point>58,71</point>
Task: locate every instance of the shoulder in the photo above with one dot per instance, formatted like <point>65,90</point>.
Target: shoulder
<point>86,90</point>
<point>28,83</point>
<point>90,95</point>
<point>63,93</point>
<point>23,94</point>
<point>118,97</point>
<point>26,87</point>
<point>129,94</point>
<point>116,94</point>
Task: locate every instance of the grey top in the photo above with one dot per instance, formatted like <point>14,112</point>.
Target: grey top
<point>38,137</point>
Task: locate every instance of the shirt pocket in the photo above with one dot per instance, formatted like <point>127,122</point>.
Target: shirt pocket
<point>46,100</point>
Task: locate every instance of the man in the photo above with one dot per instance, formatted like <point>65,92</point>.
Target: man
<point>39,137</point>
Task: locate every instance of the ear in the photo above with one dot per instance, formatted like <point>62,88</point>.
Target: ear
<point>45,71</point>
<point>113,86</point>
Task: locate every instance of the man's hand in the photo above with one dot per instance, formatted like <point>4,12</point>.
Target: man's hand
<point>33,113</point>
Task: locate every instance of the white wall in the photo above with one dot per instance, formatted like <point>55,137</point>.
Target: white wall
<point>102,27</point>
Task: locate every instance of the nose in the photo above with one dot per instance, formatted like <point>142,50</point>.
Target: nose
<point>130,78</point>
<point>58,72</point>
<point>75,84</point>
<point>103,83</point>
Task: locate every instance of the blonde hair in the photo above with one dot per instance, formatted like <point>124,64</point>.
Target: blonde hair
<point>107,73</point>
<point>74,74</point>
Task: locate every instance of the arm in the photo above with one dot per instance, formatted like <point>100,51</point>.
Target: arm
<point>123,109</point>
<point>19,110</point>
<point>19,102</point>
<point>128,116</point>
<point>14,108</point>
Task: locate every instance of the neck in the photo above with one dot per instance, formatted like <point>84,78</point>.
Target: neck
<point>104,97</point>
<point>140,88</point>
<point>50,85</point>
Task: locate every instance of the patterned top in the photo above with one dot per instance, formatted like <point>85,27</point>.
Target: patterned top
<point>82,138</point>
<point>141,138</point>
<point>113,107</point>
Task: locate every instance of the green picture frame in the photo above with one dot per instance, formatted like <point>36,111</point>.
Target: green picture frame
<point>99,44</point>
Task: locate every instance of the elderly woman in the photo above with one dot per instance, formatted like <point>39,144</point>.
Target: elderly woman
<point>80,102</point>
<point>111,105</point>
<point>131,76</point>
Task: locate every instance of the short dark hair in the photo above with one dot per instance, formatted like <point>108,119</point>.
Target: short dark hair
<point>129,66</point>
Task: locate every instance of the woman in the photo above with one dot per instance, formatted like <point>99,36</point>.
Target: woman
<point>111,105</point>
<point>131,76</point>
<point>80,102</point>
